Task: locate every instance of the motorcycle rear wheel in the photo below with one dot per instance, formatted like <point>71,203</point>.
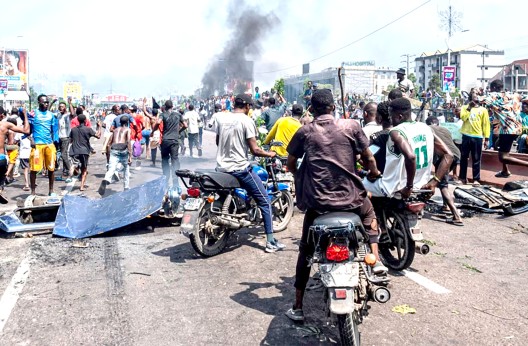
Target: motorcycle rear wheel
<point>282,215</point>
<point>399,253</point>
<point>205,243</point>
<point>348,329</point>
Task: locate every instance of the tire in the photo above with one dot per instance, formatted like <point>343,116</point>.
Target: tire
<point>205,244</point>
<point>282,215</point>
<point>400,240</point>
<point>348,329</point>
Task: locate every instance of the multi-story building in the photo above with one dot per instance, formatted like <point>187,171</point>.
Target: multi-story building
<point>475,66</point>
<point>361,77</point>
<point>514,76</point>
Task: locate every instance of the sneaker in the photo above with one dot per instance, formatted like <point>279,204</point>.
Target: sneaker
<point>379,268</point>
<point>102,188</point>
<point>281,246</point>
<point>271,247</point>
<point>295,314</point>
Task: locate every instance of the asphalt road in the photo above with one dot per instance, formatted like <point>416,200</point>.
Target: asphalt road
<point>145,286</point>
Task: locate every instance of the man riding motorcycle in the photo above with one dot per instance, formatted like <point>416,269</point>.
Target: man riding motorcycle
<point>326,181</point>
<point>284,129</point>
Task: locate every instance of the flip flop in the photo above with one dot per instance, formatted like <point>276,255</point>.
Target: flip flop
<point>26,188</point>
<point>501,174</point>
<point>455,222</point>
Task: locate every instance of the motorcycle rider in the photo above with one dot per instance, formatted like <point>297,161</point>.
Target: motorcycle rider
<point>235,134</point>
<point>284,129</point>
<point>326,181</point>
<point>409,159</point>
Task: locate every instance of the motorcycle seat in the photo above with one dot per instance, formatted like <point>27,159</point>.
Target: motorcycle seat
<point>213,180</point>
<point>337,219</point>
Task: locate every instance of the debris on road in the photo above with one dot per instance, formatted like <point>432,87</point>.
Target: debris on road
<point>80,244</point>
<point>404,309</point>
<point>35,214</point>
<point>81,217</point>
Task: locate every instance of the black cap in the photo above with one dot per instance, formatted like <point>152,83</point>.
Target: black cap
<point>297,109</point>
<point>401,71</point>
<point>123,107</point>
<point>243,99</point>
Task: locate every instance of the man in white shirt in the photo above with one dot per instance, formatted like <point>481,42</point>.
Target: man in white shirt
<point>64,138</point>
<point>369,118</point>
<point>404,84</point>
<point>193,120</point>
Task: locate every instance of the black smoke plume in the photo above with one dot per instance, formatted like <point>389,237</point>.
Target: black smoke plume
<point>234,66</point>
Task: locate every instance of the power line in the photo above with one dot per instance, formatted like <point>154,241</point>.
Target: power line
<point>351,43</point>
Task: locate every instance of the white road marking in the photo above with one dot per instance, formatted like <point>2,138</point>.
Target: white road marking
<point>425,282</point>
<point>69,187</point>
<point>12,292</point>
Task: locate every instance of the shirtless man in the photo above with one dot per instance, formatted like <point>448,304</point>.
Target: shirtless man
<point>120,153</point>
<point>5,128</point>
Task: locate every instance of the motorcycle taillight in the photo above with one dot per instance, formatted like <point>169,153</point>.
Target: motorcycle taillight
<point>337,252</point>
<point>193,192</point>
<point>416,207</point>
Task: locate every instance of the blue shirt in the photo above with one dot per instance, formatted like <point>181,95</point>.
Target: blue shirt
<point>117,121</point>
<point>44,127</point>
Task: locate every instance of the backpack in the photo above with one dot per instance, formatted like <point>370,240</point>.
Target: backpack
<point>136,148</point>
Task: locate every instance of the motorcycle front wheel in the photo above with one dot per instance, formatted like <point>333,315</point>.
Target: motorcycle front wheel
<point>282,208</point>
<point>207,239</point>
<point>398,252</point>
<point>348,329</point>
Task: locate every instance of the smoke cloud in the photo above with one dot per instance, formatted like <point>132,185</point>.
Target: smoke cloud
<point>234,65</point>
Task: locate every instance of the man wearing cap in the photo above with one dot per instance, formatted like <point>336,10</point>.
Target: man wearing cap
<point>404,84</point>
<point>235,134</point>
<point>284,129</point>
<point>170,144</point>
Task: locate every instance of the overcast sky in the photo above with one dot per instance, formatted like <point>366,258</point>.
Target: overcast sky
<point>156,47</point>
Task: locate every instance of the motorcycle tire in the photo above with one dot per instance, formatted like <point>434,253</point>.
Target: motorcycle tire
<point>348,329</point>
<point>282,215</point>
<point>202,243</point>
<point>400,240</point>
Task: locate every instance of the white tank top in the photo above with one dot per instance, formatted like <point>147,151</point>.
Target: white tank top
<point>421,139</point>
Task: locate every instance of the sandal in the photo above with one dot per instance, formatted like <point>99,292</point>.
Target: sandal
<point>501,174</point>
<point>26,188</point>
<point>455,222</point>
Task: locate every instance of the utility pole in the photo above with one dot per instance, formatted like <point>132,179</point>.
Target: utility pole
<point>407,61</point>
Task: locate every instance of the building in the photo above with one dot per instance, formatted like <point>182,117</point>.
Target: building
<point>361,77</point>
<point>475,66</point>
<point>514,76</point>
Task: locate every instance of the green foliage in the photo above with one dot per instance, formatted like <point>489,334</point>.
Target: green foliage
<point>435,84</point>
<point>279,86</point>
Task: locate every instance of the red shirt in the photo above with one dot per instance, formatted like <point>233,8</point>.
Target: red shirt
<point>75,123</point>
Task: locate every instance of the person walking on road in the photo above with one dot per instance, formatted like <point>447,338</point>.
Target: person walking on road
<point>81,148</point>
<point>475,130</point>
<point>45,131</point>
<point>120,147</point>
<point>172,124</point>
<point>193,121</point>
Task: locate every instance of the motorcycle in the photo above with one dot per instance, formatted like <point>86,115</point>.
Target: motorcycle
<point>345,265</point>
<point>215,206</point>
<point>401,236</point>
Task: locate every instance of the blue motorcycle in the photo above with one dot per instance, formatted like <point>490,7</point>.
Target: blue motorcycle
<point>215,206</point>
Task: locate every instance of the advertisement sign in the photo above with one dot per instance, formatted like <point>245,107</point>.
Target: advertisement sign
<point>14,69</point>
<point>116,98</point>
<point>73,90</point>
<point>448,78</point>
<point>3,86</point>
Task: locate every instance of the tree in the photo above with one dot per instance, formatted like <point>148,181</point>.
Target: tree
<point>435,84</point>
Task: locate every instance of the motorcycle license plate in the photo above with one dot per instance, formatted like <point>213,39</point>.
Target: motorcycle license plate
<point>192,203</point>
<point>340,274</point>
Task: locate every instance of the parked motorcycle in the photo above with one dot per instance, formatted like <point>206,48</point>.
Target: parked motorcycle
<point>345,265</point>
<point>401,236</point>
<point>215,206</point>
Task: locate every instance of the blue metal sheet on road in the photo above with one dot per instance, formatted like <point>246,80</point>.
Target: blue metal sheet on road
<point>81,217</point>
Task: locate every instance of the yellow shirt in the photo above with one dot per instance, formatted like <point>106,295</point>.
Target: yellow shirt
<point>283,132</point>
<point>476,122</point>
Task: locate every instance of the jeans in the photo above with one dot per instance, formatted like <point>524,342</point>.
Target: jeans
<point>193,142</point>
<point>66,164</point>
<point>251,182</point>
<point>169,150</point>
<point>521,144</point>
<point>200,135</point>
<point>473,146</point>
<point>118,157</point>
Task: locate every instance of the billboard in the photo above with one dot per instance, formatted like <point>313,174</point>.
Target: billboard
<point>14,68</point>
<point>73,90</point>
<point>448,78</point>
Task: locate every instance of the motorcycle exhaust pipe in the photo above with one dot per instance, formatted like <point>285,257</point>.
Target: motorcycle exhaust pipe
<point>380,294</point>
<point>233,224</point>
<point>421,248</point>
